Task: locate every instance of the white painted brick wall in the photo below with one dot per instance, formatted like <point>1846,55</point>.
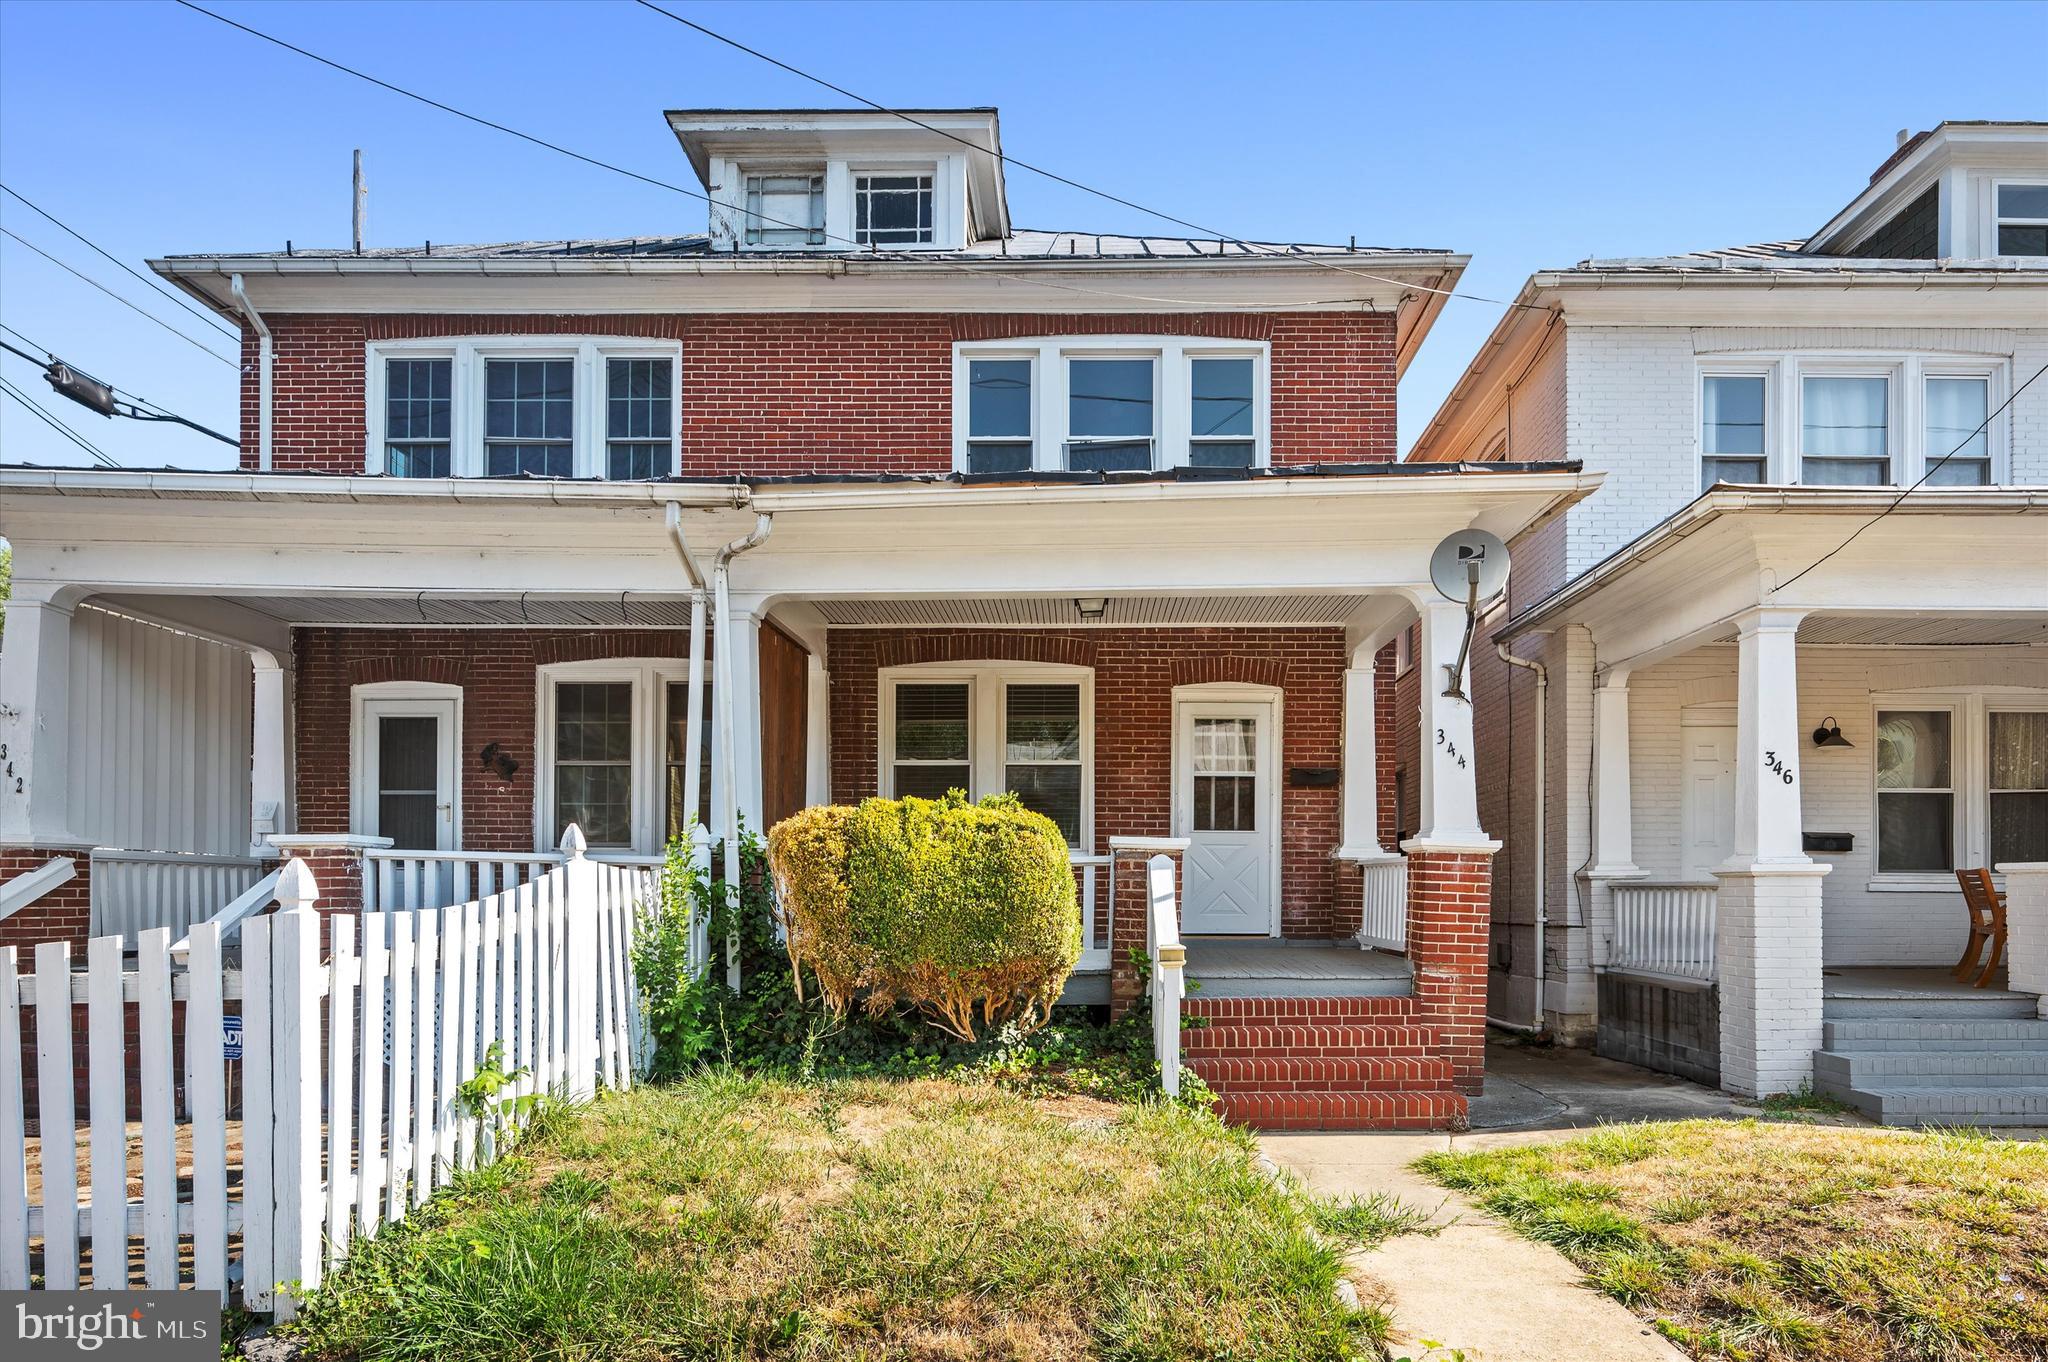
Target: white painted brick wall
<point>1769,947</point>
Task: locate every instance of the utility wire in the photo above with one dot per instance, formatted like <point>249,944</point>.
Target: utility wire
<point>977,270</point>
<point>1254,248</point>
<point>62,429</point>
<point>1932,469</point>
<point>135,406</point>
<point>133,307</point>
<point>49,354</point>
<point>154,283</point>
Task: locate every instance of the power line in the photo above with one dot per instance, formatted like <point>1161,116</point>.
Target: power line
<point>135,406</point>
<point>133,307</point>
<point>154,283</point>
<point>62,429</point>
<point>977,270</point>
<point>49,354</point>
<point>1255,248</point>
<point>1932,469</point>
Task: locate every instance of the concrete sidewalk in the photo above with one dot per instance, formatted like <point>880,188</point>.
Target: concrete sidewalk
<point>1478,1284</point>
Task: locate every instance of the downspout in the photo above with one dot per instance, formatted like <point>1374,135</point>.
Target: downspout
<point>1542,868</point>
<point>264,358</point>
<point>723,700</point>
<point>693,735</point>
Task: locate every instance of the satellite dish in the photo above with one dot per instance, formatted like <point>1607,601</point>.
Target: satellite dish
<point>1470,566</point>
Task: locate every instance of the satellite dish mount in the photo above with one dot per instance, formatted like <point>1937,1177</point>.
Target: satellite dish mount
<point>1470,566</point>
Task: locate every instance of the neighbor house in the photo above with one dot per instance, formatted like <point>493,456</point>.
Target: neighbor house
<point>1776,703</point>
<point>863,490</point>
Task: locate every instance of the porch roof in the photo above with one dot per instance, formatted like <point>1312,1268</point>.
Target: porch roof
<point>1947,566</point>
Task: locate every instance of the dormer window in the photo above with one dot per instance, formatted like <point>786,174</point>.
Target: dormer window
<point>892,209</point>
<point>786,209</point>
<point>2023,219</point>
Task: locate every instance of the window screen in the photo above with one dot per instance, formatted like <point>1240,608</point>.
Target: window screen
<point>1042,752</point>
<point>594,760</point>
<point>931,737</point>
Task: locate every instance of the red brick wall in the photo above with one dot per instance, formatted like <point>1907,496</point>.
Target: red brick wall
<point>833,392</point>
<point>60,915</point>
<point>1135,672</point>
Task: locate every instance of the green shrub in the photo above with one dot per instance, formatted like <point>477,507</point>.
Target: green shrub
<point>949,906</point>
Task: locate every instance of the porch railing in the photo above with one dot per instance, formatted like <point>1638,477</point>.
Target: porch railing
<point>1384,921</point>
<point>133,891</point>
<point>1664,929</point>
<point>1091,886</point>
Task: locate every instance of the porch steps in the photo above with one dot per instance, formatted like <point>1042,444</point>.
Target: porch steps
<point>1345,1062</point>
<point>1951,1060</point>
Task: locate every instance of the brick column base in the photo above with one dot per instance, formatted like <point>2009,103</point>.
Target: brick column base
<point>63,914</point>
<point>1449,922</point>
<point>337,865</point>
<point>1767,958</point>
<point>1128,912</point>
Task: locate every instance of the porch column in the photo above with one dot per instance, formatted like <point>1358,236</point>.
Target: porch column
<point>270,808</point>
<point>1613,813</point>
<point>818,732</point>
<point>738,655</point>
<point>1361,762</point>
<point>35,722</point>
<point>2026,917</point>
<point>1768,921</point>
<point>1450,860</point>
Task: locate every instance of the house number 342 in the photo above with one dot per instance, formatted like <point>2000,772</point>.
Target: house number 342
<point>1777,767</point>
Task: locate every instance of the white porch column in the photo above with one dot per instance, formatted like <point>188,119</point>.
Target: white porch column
<point>2026,919</point>
<point>738,654</point>
<point>35,723</point>
<point>1361,763</point>
<point>1768,935</point>
<point>818,733</point>
<point>1449,787</point>
<point>270,810</point>
<point>1614,854</point>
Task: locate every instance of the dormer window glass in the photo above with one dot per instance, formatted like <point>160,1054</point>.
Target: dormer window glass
<point>786,209</point>
<point>529,417</point>
<point>1220,431</point>
<point>2023,219</point>
<point>999,402</point>
<point>1843,428</point>
<point>1111,410</point>
<point>418,417</point>
<point>892,210</point>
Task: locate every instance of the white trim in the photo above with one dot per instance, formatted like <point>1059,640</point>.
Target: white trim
<point>430,699</point>
<point>987,688</point>
<point>1969,709</point>
<point>468,355</point>
<point>650,679</point>
<point>1172,389</point>
<point>1187,699</point>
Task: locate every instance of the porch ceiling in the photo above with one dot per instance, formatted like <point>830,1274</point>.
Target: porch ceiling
<point>429,608</point>
<point>1060,612</point>
<point>1895,629</point>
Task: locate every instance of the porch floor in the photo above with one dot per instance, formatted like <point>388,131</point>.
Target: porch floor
<point>1909,984</point>
<point>1237,967</point>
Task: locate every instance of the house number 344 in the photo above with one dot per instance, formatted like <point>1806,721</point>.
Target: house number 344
<point>1450,749</point>
<point>1777,767</point>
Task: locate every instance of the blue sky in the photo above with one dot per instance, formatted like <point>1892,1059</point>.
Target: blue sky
<point>1527,136</point>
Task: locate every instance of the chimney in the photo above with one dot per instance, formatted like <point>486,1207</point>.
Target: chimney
<point>1904,135</point>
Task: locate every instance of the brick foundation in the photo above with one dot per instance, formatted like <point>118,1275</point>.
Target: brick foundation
<point>1127,924</point>
<point>63,914</point>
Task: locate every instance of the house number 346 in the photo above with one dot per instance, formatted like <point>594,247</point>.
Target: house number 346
<point>1450,749</point>
<point>1777,767</point>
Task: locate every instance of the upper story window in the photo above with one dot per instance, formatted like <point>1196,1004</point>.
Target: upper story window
<point>1847,421</point>
<point>786,209</point>
<point>2023,219</point>
<point>542,406</point>
<point>1110,404</point>
<point>892,209</point>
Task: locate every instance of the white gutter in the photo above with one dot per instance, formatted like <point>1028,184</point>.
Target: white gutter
<point>899,495</point>
<point>263,370</point>
<point>723,700</point>
<point>171,485</point>
<point>1542,870</point>
<point>693,735</point>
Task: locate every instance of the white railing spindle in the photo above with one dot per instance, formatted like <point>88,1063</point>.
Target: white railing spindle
<point>1665,930</point>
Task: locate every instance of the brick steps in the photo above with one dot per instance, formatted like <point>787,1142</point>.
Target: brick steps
<point>1375,1074</point>
<point>1324,1040</point>
<point>1298,1011</point>
<point>1344,1110</point>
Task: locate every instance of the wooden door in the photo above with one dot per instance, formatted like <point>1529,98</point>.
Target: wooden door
<point>785,717</point>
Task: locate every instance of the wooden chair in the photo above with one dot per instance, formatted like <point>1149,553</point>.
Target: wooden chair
<point>1987,923</point>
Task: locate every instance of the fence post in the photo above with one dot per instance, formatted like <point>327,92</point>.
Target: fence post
<point>296,1084</point>
<point>579,958</point>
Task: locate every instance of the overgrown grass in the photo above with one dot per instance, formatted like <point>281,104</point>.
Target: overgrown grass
<point>731,1216</point>
<point>1760,1240</point>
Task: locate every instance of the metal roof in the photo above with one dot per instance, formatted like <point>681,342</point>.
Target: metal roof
<point>1785,255</point>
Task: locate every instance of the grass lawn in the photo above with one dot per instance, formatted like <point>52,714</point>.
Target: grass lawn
<point>736,1217</point>
<point>1770,1240</point>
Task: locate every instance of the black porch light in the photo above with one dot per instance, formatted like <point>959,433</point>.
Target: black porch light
<point>1829,734</point>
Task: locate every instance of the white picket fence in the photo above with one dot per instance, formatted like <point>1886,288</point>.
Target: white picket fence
<point>350,1112</point>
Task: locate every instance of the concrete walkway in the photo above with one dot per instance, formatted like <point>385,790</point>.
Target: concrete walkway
<point>1477,1284</point>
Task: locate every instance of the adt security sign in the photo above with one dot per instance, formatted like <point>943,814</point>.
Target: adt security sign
<point>231,1037</point>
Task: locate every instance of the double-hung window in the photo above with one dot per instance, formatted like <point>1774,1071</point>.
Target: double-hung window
<point>1733,429</point>
<point>786,209</point>
<point>2023,219</point>
<point>1958,445</point>
<point>1021,728</point>
<point>2017,794</point>
<point>892,209</point>
<point>613,753</point>
<point>538,406</point>
<point>1962,780</point>
<point>1844,429</point>
<point>1109,404</point>
<point>1916,794</point>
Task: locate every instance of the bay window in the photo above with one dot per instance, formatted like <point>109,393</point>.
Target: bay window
<point>512,406</point>
<point>1110,404</point>
<point>1022,728</point>
<point>1961,781</point>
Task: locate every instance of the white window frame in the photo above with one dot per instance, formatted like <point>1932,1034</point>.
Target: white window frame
<point>1998,220</point>
<point>858,171</point>
<point>987,746</point>
<point>744,221</point>
<point>588,455</point>
<point>1906,376</point>
<point>649,678</point>
<point>1970,710</point>
<point>1173,390</point>
<point>377,699</point>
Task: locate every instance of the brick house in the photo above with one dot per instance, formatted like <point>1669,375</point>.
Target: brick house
<point>861,490</point>
<point>1737,792</point>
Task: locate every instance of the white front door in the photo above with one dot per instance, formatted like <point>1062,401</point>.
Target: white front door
<point>1225,805</point>
<point>405,773</point>
<point>1707,802</point>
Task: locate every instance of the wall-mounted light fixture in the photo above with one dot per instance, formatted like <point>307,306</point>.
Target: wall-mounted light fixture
<point>496,759</point>
<point>1829,734</point>
<point>1091,607</point>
